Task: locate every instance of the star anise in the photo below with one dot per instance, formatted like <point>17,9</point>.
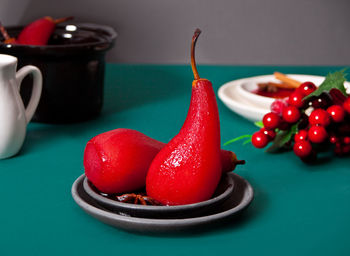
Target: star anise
<point>137,199</point>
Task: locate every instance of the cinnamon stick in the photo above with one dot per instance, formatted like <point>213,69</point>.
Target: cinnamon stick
<point>287,80</point>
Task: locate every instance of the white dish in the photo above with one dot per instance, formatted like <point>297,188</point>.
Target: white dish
<point>237,95</point>
<point>230,96</point>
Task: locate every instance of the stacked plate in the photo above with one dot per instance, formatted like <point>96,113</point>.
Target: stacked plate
<point>232,196</point>
<point>237,95</point>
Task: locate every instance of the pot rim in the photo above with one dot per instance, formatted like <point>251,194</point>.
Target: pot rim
<point>106,42</point>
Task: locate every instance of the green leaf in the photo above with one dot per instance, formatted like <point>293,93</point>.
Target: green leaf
<point>239,138</point>
<point>282,138</point>
<point>333,80</point>
<point>259,124</point>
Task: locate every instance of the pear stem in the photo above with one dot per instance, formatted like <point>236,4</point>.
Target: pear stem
<point>193,60</point>
<point>60,20</point>
<point>4,32</point>
<point>240,162</point>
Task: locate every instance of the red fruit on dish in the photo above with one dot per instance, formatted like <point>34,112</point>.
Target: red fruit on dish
<point>291,114</point>
<point>39,31</point>
<point>346,105</point>
<point>229,160</point>
<point>300,136</point>
<point>302,148</point>
<point>188,169</point>
<point>117,161</point>
<point>260,140</point>
<point>277,106</point>
<point>337,113</point>
<point>317,134</point>
<point>306,88</point>
<point>320,116</point>
<point>271,120</point>
<point>271,134</point>
<point>296,99</point>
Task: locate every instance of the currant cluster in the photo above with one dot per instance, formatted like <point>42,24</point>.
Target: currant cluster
<point>319,121</point>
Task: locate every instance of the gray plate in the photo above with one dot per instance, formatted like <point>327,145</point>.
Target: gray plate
<point>222,193</point>
<point>239,200</point>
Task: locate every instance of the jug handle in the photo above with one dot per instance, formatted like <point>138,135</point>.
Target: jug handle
<point>37,87</point>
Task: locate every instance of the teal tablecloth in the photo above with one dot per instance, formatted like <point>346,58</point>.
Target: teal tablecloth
<point>297,210</point>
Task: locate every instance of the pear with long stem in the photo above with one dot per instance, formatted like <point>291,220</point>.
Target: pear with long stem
<point>188,169</point>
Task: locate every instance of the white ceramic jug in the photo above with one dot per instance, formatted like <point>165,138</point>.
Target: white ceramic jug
<point>13,117</point>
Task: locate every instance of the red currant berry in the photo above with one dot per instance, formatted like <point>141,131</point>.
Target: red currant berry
<point>319,116</point>
<point>317,134</point>
<point>302,148</point>
<point>322,101</point>
<point>278,105</point>
<point>346,149</point>
<point>306,88</point>
<point>338,149</point>
<point>260,140</point>
<point>291,114</point>
<point>271,120</point>
<point>337,96</point>
<point>333,139</point>
<point>337,113</point>
<point>271,134</point>
<point>296,99</point>
<point>346,105</point>
<point>300,136</point>
<point>346,140</point>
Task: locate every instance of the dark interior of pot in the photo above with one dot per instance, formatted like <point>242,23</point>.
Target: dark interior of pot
<point>72,65</point>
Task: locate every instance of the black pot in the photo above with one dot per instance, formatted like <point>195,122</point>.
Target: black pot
<point>72,65</point>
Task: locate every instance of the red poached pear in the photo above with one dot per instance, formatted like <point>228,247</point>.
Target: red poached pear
<point>188,169</point>
<point>117,161</point>
<point>39,31</point>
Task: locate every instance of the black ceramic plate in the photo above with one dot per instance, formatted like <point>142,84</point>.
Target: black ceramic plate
<point>221,194</point>
<point>238,201</point>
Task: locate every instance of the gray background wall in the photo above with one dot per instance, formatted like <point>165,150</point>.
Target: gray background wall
<point>299,32</point>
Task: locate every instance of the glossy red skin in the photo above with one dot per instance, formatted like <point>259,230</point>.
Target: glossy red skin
<point>302,148</point>
<point>317,134</point>
<point>271,134</point>
<point>117,175</point>
<point>271,120</point>
<point>228,160</point>
<point>346,105</point>
<point>320,116</point>
<point>337,113</point>
<point>188,169</point>
<point>300,136</point>
<point>37,33</point>
<point>291,114</point>
<point>117,161</point>
<point>296,99</point>
<point>306,88</point>
<point>260,139</point>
